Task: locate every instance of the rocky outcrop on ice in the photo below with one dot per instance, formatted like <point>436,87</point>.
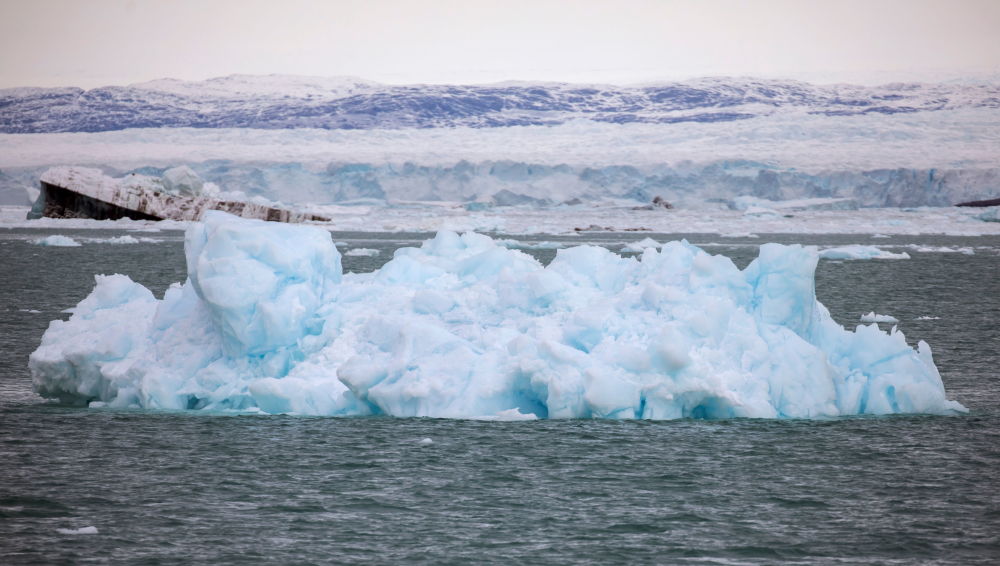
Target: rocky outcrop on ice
<point>78,192</point>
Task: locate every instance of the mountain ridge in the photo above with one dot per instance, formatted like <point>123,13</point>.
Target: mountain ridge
<point>288,101</point>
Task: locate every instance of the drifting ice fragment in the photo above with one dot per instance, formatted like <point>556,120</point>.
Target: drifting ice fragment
<point>860,252</point>
<point>464,328</point>
<point>872,317</point>
<point>361,252</point>
<point>57,240</point>
<point>638,247</point>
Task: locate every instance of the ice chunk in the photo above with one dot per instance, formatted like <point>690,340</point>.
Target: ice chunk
<point>263,283</point>
<point>124,239</point>
<point>87,357</point>
<point>872,317</point>
<point>516,245</point>
<point>942,249</point>
<point>57,240</point>
<point>860,252</point>
<point>463,327</point>
<point>638,247</point>
<point>361,252</point>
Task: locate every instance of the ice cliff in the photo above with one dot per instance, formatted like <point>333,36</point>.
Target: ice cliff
<point>463,327</point>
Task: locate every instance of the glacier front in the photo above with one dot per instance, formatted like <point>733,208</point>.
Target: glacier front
<point>463,327</point>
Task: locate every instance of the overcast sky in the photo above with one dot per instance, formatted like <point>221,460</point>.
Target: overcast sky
<point>98,42</point>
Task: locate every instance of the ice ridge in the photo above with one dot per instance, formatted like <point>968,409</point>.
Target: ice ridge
<point>463,327</point>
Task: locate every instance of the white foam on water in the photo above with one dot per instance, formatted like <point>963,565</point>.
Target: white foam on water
<point>80,531</point>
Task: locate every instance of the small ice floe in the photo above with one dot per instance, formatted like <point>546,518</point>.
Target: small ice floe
<point>361,252</point>
<point>57,240</point>
<point>121,240</point>
<point>638,247</point>
<point>546,245</point>
<point>80,531</point>
<point>508,415</point>
<point>126,239</point>
<point>860,252</point>
<point>32,311</point>
<point>928,318</point>
<point>425,441</point>
<point>881,236</point>
<point>517,245</point>
<point>942,249</point>
<point>872,317</point>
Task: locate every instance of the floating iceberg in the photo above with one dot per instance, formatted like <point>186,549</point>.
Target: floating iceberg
<point>639,247</point>
<point>361,252</point>
<point>861,252</point>
<point>57,240</point>
<point>463,327</point>
<point>874,317</point>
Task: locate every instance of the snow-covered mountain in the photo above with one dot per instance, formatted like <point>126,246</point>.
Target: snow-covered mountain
<point>278,102</point>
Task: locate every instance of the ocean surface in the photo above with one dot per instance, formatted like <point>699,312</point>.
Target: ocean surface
<point>97,486</point>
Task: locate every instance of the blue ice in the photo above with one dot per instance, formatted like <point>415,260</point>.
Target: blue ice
<point>463,327</point>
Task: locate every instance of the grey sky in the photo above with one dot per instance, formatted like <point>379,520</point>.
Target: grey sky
<point>97,42</point>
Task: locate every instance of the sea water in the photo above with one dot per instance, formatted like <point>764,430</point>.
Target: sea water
<point>113,486</point>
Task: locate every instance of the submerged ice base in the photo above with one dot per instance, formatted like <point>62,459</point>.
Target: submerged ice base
<point>463,327</point>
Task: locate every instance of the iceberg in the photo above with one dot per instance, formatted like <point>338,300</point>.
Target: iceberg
<point>57,240</point>
<point>640,246</point>
<point>874,317</point>
<point>463,327</point>
<point>860,252</point>
<point>361,252</point>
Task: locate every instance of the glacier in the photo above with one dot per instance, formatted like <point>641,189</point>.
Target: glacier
<point>925,158</point>
<point>463,327</point>
<point>332,140</point>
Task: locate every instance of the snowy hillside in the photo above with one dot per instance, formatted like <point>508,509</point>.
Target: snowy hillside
<point>349,103</point>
